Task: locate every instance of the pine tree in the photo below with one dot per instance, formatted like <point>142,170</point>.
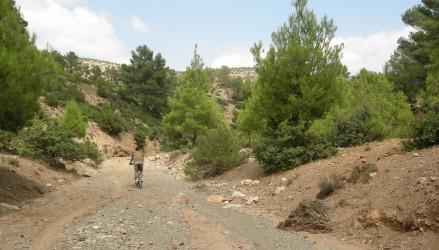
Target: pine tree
<point>298,83</point>
<point>298,77</point>
<point>110,122</point>
<point>72,119</point>
<point>24,70</point>
<point>192,111</point>
<point>418,56</point>
<point>146,80</point>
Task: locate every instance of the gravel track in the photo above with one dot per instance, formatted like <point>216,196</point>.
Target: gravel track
<point>152,218</point>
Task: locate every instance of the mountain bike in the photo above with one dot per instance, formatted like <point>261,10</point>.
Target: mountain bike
<point>139,180</point>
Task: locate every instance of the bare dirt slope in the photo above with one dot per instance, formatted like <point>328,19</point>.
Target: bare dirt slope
<point>398,208</point>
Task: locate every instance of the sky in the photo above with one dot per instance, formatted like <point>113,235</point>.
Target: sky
<point>223,30</point>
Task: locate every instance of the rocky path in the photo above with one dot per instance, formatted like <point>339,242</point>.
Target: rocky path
<point>107,212</point>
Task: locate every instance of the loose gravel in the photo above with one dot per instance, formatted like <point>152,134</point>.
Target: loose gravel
<point>151,218</point>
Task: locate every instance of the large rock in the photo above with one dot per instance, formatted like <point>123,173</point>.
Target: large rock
<point>249,182</point>
<point>87,172</point>
<point>372,218</point>
<point>10,207</point>
<point>252,200</point>
<point>215,198</point>
<point>279,190</point>
<point>237,194</point>
<point>181,199</point>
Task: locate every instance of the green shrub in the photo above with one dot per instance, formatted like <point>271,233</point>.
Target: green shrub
<point>109,121</point>
<point>215,153</point>
<point>72,119</point>
<point>193,172</point>
<point>90,112</point>
<point>140,136</point>
<point>352,129</point>
<point>329,185</point>
<point>51,100</point>
<point>49,141</point>
<point>425,132</point>
<point>288,147</point>
<point>378,130</point>
<point>155,133</point>
<point>62,93</point>
<point>103,90</point>
<point>27,141</point>
<point>239,105</point>
<point>222,102</point>
<point>92,151</point>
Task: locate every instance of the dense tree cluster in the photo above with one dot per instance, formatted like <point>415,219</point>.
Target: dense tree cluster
<point>301,107</point>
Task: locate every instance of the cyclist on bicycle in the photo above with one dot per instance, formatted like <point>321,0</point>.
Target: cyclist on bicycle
<point>137,160</point>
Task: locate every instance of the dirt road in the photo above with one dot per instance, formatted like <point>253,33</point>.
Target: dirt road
<point>107,212</point>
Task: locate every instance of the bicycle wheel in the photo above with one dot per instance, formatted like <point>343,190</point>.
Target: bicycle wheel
<point>140,181</point>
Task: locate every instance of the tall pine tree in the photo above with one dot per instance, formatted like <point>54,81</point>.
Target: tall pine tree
<point>418,55</point>
<point>298,83</point>
<point>23,69</point>
<point>297,79</point>
<point>146,80</point>
<point>192,111</point>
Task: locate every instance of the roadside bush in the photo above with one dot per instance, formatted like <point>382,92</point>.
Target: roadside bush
<point>49,141</point>
<point>352,129</point>
<point>92,151</point>
<point>328,185</point>
<point>26,143</point>
<point>288,147</point>
<point>425,132</point>
<point>215,153</point>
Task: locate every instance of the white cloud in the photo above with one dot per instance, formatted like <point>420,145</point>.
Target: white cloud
<point>370,52</point>
<point>138,25</point>
<point>234,58</point>
<point>76,29</point>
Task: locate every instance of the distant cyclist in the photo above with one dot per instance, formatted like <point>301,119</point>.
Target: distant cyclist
<point>137,160</point>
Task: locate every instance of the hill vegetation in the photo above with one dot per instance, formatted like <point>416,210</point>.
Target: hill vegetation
<point>297,105</point>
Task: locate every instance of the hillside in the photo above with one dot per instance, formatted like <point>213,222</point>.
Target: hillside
<point>396,209</point>
<point>394,204</point>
